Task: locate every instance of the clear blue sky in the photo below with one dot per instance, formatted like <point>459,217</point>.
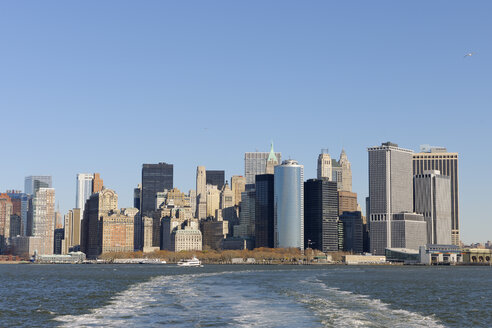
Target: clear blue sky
<point>104,86</point>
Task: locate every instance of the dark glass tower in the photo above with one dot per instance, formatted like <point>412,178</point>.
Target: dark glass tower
<point>215,178</point>
<point>321,215</point>
<point>264,214</point>
<point>353,232</point>
<point>155,178</point>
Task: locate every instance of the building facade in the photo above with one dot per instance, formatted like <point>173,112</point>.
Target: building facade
<point>324,165</point>
<point>32,183</point>
<point>342,172</point>
<point>352,232</point>
<point>321,215</point>
<point>83,189</point>
<point>264,217</point>
<point>432,199</point>
<point>201,192</point>
<point>255,163</point>
<point>390,191</point>
<point>43,223</point>
<point>438,158</point>
<point>215,178</point>
<point>155,178</point>
<point>289,205</point>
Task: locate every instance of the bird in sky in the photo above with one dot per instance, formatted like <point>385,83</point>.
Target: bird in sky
<point>469,54</point>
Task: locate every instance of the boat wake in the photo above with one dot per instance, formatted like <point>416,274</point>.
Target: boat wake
<point>244,299</point>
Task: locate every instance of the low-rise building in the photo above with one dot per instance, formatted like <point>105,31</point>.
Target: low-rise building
<point>364,259</point>
<point>440,254</point>
<point>477,256</point>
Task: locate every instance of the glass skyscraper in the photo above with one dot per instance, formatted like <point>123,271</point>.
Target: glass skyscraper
<point>155,178</point>
<point>84,189</point>
<point>289,205</point>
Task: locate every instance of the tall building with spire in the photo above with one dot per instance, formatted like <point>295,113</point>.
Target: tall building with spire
<point>342,172</point>
<point>255,163</point>
<point>325,165</point>
<point>271,162</point>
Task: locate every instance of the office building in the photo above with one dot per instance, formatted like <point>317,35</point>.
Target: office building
<point>15,225</point>
<point>238,185</point>
<point>137,195</point>
<point>6,210</point>
<point>321,215</point>
<point>32,183</point>
<point>155,178</point>
<point>117,234</point>
<point>84,189</point>
<point>59,234</point>
<point>99,204</point>
<point>432,199</point>
<point>214,231</point>
<point>43,223</point>
<point>71,239</point>
<point>438,158</point>
<point>324,165</point>
<point>246,227</point>
<point>390,191</point>
<point>97,183</point>
<point>147,224</point>
<point>213,200</point>
<point>264,211</point>
<point>347,202</point>
<point>20,203</point>
<point>255,163</point>
<point>271,161</point>
<point>342,172</point>
<point>201,193</point>
<point>352,232</point>
<point>289,205</point>
<point>215,178</point>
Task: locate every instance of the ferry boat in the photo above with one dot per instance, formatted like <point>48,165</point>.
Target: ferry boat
<point>190,262</point>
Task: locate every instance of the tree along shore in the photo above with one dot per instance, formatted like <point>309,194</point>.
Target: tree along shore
<point>261,256</point>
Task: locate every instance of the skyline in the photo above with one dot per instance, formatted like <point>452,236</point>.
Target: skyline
<point>108,87</point>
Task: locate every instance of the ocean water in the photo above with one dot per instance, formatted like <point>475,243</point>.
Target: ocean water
<point>244,296</point>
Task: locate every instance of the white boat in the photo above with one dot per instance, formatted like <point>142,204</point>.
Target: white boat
<point>152,261</point>
<point>190,262</point>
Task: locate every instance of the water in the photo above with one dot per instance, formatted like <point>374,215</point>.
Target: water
<point>244,296</point>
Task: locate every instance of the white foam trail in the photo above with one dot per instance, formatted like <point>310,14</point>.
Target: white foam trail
<point>195,300</point>
<point>339,308</point>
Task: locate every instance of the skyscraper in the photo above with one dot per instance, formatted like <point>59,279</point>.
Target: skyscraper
<point>352,232</point>
<point>437,158</point>
<point>43,222</point>
<point>271,161</point>
<point>201,192</point>
<point>155,178</point>
<point>324,165</point>
<point>71,231</point>
<point>6,209</point>
<point>215,178</point>
<point>20,202</point>
<point>255,163</point>
<point>238,185</point>
<point>33,182</point>
<point>321,215</point>
<point>342,172</point>
<point>84,189</point>
<point>432,199</point>
<point>264,211</point>
<point>99,204</point>
<point>289,205</point>
<point>97,183</point>
<point>390,191</point>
